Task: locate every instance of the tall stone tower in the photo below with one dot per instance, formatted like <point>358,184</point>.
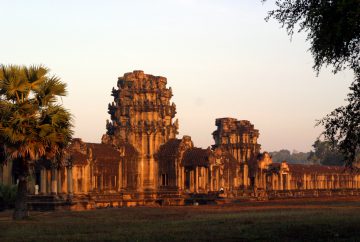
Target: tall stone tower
<point>141,115</point>
<point>239,137</point>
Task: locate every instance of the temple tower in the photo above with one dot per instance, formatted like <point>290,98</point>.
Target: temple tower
<point>142,116</point>
<point>239,137</point>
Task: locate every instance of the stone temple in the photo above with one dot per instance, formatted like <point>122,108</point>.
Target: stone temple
<point>141,118</point>
<point>141,161</point>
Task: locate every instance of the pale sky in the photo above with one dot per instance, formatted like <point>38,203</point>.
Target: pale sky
<point>220,58</point>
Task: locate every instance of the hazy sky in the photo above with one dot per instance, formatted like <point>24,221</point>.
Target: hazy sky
<point>220,57</point>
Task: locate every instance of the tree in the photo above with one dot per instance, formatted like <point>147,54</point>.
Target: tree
<point>326,154</point>
<point>342,126</point>
<point>32,125</point>
<point>333,30</point>
<point>286,155</point>
<point>281,155</point>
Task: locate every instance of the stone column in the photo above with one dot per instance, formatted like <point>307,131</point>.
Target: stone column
<point>84,179</point>
<point>273,182</point>
<point>217,187</point>
<point>101,182</point>
<point>245,175</point>
<point>183,178</point>
<point>64,187</point>
<point>145,164</point>
<point>206,179</point>
<point>196,179</point>
<point>177,176</point>
<point>119,183</point>
<point>148,180</point>
<point>91,177</point>
<point>43,181</point>
<point>96,183</point>
<point>75,179</point>
<point>211,180</point>
<point>125,178</point>
<point>48,181</point>
<point>59,181</point>
<point>191,182</point>
<point>109,183</point>
<point>153,168</point>
<point>69,180</point>
<point>53,180</point>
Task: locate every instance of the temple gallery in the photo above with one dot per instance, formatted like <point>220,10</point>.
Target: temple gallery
<point>141,161</point>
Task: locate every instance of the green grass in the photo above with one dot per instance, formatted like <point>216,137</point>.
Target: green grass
<point>314,220</point>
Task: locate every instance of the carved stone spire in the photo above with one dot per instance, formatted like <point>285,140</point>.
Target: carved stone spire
<point>239,137</point>
<point>142,115</point>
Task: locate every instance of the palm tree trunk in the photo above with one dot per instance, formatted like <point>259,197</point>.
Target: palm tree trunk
<point>21,210</point>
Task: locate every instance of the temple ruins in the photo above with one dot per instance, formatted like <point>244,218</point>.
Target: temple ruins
<point>141,161</point>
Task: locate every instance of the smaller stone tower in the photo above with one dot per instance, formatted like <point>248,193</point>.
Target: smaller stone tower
<point>238,137</point>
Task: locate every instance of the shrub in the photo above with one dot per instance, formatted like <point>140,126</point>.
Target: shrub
<point>7,196</point>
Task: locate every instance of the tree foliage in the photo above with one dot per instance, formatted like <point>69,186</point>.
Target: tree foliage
<point>291,157</point>
<point>342,126</point>
<point>7,196</point>
<point>32,125</point>
<point>326,153</point>
<point>333,30</point>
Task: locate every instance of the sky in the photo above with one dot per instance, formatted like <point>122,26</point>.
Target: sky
<point>221,58</point>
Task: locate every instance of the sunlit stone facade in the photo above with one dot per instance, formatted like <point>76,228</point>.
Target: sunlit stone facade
<point>140,160</point>
<point>142,116</point>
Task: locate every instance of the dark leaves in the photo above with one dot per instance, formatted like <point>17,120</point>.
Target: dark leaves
<point>333,29</point>
<point>342,126</point>
<point>31,125</point>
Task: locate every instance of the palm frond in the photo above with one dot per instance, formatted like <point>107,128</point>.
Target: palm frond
<point>50,89</point>
<point>36,75</point>
<point>31,126</point>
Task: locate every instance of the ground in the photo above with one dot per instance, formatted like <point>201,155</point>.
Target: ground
<point>325,219</point>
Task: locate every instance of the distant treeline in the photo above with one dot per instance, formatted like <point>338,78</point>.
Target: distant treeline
<point>324,153</point>
<point>291,157</point>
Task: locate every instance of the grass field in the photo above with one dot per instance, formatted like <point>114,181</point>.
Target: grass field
<point>288,220</point>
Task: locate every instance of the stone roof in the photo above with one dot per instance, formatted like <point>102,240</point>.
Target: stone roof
<point>104,152</point>
<point>78,158</point>
<point>196,157</point>
<point>80,152</point>
<point>169,149</point>
<point>307,169</point>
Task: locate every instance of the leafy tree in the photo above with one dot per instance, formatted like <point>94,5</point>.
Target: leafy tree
<point>326,154</point>
<point>32,125</point>
<point>333,30</point>
<point>342,126</point>
<point>281,155</point>
<point>294,157</point>
<point>299,157</point>
<point>7,196</point>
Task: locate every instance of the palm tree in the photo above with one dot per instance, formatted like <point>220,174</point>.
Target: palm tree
<point>32,125</point>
